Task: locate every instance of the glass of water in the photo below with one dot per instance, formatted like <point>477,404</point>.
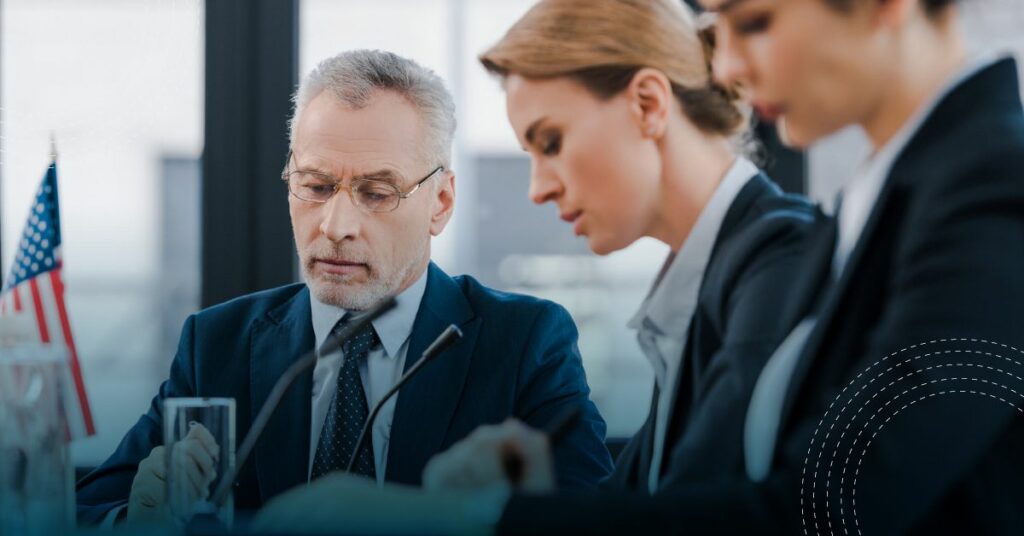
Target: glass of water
<point>199,441</point>
<point>36,476</point>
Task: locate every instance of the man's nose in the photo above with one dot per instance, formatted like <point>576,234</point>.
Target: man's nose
<point>341,218</point>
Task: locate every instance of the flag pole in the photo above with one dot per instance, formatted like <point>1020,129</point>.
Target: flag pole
<point>53,147</point>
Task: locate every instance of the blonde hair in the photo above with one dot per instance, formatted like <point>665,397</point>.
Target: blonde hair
<point>603,43</point>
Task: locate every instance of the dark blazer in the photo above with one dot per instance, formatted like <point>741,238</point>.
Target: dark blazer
<point>940,265</point>
<point>734,329</point>
<point>517,358</point>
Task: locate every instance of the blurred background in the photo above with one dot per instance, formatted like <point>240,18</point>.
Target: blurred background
<point>170,121</point>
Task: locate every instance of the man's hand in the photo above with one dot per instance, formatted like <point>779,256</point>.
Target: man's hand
<point>510,455</point>
<point>193,458</point>
<point>148,499</point>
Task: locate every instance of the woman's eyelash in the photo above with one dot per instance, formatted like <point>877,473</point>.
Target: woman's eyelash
<point>550,145</point>
<point>753,25</point>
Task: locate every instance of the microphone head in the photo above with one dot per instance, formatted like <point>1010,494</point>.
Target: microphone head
<point>448,337</point>
<point>451,334</point>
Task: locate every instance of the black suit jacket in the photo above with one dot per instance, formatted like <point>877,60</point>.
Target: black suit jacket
<point>517,358</point>
<point>753,265</point>
<point>939,268</point>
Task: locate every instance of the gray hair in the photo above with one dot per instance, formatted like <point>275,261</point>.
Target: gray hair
<point>353,76</point>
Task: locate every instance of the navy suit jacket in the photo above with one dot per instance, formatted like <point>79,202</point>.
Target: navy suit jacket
<point>517,358</point>
<point>939,266</point>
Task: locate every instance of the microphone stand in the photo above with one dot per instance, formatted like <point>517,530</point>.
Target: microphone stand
<point>448,337</point>
<point>282,385</point>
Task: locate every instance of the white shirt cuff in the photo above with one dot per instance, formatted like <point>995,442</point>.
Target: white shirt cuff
<point>111,517</point>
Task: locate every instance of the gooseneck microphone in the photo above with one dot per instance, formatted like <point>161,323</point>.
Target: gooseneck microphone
<point>447,337</point>
<point>285,381</point>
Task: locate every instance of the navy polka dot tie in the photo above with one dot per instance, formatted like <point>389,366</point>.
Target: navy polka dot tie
<point>348,412</point>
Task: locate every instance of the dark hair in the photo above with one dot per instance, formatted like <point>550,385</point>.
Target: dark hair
<point>931,7</point>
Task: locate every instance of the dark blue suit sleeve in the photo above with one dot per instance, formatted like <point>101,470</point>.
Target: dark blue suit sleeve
<point>551,379</point>
<point>109,486</point>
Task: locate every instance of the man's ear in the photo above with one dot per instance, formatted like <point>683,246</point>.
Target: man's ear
<point>443,203</point>
<point>650,95</point>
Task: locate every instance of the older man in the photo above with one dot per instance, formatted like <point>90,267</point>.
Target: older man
<point>370,183</point>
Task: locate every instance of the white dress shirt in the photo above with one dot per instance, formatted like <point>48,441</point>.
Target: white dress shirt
<point>663,321</point>
<point>383,367</point>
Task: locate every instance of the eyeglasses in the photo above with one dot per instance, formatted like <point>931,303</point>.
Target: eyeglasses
<point>370,194</point>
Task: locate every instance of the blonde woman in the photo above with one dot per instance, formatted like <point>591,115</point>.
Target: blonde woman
<point>630,137</point>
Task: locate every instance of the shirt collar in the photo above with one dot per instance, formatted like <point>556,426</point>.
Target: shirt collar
<point>673,297</point>
<point>861,193</point>
<point>392,328</point>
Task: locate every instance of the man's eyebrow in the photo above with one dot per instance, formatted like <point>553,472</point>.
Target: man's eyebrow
<point>531,130</point>
<point>382,175</point>
<point>725,6</point>
<point>311,169</point>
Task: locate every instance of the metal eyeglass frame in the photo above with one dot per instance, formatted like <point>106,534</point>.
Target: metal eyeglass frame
<point>285,176</point>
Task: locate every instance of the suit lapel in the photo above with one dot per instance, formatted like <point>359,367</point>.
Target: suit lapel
<point>684,383</point>
<point>688,375</point>
<point>645,457</point>
<point>807,292</point>
<point>427,403</point>
<point>278,340</point>
<point>831,296</point>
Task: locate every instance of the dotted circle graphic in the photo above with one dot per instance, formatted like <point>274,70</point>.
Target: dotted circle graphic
<point>868,403</point>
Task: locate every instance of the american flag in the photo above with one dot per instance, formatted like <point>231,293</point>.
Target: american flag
<point>35,288</point>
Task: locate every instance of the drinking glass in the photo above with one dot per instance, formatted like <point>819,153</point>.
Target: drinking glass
<point>186,422</point>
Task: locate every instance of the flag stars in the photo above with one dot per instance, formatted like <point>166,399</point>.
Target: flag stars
<point>39,244</point>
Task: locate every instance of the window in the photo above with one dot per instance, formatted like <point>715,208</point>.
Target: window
<point>119,85</point>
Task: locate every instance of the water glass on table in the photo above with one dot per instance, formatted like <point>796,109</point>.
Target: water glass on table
<point>199,439</point>
<point>36,476</point>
